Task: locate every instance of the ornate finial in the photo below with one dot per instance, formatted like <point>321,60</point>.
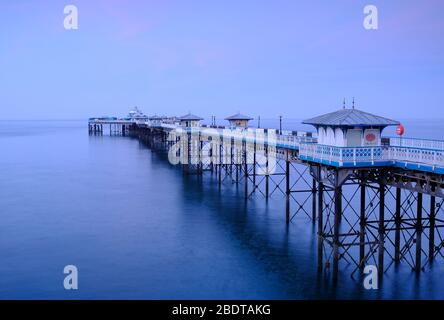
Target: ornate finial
<point>343,104</point>
<point>353,103</point>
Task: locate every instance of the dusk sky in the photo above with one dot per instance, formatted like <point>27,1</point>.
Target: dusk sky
<point>295,58</point>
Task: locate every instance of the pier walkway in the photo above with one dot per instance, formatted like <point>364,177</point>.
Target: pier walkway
<point>410,153</point>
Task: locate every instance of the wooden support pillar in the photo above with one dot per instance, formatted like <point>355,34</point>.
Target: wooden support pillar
<point>381,228</point>
<point>418,250</point>
<point>398,225</point>
<point>432,225</point>
<point>362,224</point>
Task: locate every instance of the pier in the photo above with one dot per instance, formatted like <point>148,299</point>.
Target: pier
<point>375,200</point>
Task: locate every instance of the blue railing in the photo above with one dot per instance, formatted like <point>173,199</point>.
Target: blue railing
<point>411,157</point>
<point>416,143</point>
<point>344,156</point>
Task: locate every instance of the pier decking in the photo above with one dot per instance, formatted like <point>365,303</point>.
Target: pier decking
<point>366,192</point>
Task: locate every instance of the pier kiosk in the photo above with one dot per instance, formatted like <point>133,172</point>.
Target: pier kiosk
<point>350,128</point>
<point>192,149</point>
<point>190,121</point>
<point>347,138</point>
<point>238,121</point>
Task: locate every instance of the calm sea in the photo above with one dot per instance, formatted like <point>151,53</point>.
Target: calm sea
<point>137,228</point>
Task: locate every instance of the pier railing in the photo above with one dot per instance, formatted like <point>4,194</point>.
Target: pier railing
<point>417,143</point>
<point>341,156</point>
<point>371,156</point>
<point>251,135</point>
<point>294,141</point>
<point>432,157</point>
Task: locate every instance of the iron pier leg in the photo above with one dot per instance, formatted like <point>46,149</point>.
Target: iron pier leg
<point>398,226</point>
<point>337,217</point>
<point>237,162</point>
<point>266,173</point>
<point>231,161</point>
<point>432,226</point>
<point>211,159</point>
<point>287,191</point>
<point>418,233</point>
<point>254,168</point>
<point>381,228</point>
<point>320,225</point>
<point>219,173</point>
<point>362,224</point>
<point>200,155</point>
<point>246,170</point>
<point>340,201</point>
<point>313,201</point>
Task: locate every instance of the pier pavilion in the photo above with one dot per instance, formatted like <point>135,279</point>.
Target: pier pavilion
<point>350,128</point>
<point>347,137</point>
<point>238,121</point>
<point>190,121</point>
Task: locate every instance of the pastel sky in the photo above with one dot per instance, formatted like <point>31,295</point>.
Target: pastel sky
<point>295,58</point>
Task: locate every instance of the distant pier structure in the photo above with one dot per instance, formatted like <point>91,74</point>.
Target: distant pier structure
<point>238,121</point>
<point>375,200</point>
